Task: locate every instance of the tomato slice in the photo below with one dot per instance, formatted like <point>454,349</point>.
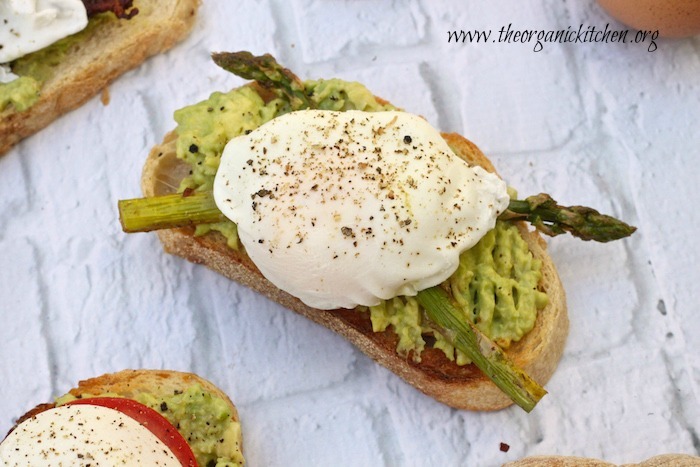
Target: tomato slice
<point>149,418</point>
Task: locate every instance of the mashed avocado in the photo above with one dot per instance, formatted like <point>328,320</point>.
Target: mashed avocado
<point>495,286</point>
<point>21,93</point>
<point>496,282</point>
<point>205,422</point>
<point>203,419</point>
<point>38,67</point>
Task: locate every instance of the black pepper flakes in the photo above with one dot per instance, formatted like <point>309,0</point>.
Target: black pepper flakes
<point>407,139</point>
<point>262,193</point>
<point>194,149</point>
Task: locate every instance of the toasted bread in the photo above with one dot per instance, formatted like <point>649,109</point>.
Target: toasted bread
<point>665,460</point>
<point>131,383</point>
<point>91,64</point>
<point>463,387</point>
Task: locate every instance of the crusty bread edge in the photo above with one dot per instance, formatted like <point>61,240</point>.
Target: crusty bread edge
<point>78,82</point>
<point>538,353</point>
<point>130,383</point>
<point>663,460</point>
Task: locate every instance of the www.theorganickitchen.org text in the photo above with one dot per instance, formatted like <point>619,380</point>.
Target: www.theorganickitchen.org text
<point>539,37</point>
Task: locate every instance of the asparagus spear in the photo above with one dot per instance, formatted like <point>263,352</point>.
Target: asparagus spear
<point>267,72</point>
<point>552,219</point>
<point>485,354</point>
<point>170,211</point>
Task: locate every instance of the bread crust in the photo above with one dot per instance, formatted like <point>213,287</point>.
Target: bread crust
<point>90,65</point>
<point>462,387</point>
<point>664,460</point>
<point>160,383</point>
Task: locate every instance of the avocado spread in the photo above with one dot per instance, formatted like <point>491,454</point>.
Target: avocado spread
<point>205,422</point>
<point>38,67</point>
<point>496,282</point>
<point>202,418</point>
<point>495,285</point>
<point>21,93</point>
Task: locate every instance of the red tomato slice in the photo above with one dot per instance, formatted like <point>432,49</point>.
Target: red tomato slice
<point>149,418</point>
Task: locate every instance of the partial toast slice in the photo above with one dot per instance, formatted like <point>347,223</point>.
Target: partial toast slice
<point>91,64</point>
<point>131,383</point>
<point>664,460</point>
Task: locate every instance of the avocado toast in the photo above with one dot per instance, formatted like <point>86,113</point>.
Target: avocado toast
<point>430,361</point>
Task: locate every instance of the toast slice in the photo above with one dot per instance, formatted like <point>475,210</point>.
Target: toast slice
<point>157,383</point>
<point>91,64</point>
<point>463,387</point>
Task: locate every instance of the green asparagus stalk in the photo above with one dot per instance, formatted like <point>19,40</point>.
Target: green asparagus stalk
<point>484,353</point>
<point>268,73</point>
<point>168,211</point>
<point>552,219</point>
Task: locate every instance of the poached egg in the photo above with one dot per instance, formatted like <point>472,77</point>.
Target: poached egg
<point>341,209</point>
<point>31,25</point>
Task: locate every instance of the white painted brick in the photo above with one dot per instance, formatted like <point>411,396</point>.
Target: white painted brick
<point>330,429</point>
<point>331,30</point>
<point>610,126</point>
<point>23,333</point>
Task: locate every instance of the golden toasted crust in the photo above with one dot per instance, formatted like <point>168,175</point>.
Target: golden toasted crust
<point>130,383</point>
<point>90,65</point>
<point>665,460</point>
<point>463,387</point>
